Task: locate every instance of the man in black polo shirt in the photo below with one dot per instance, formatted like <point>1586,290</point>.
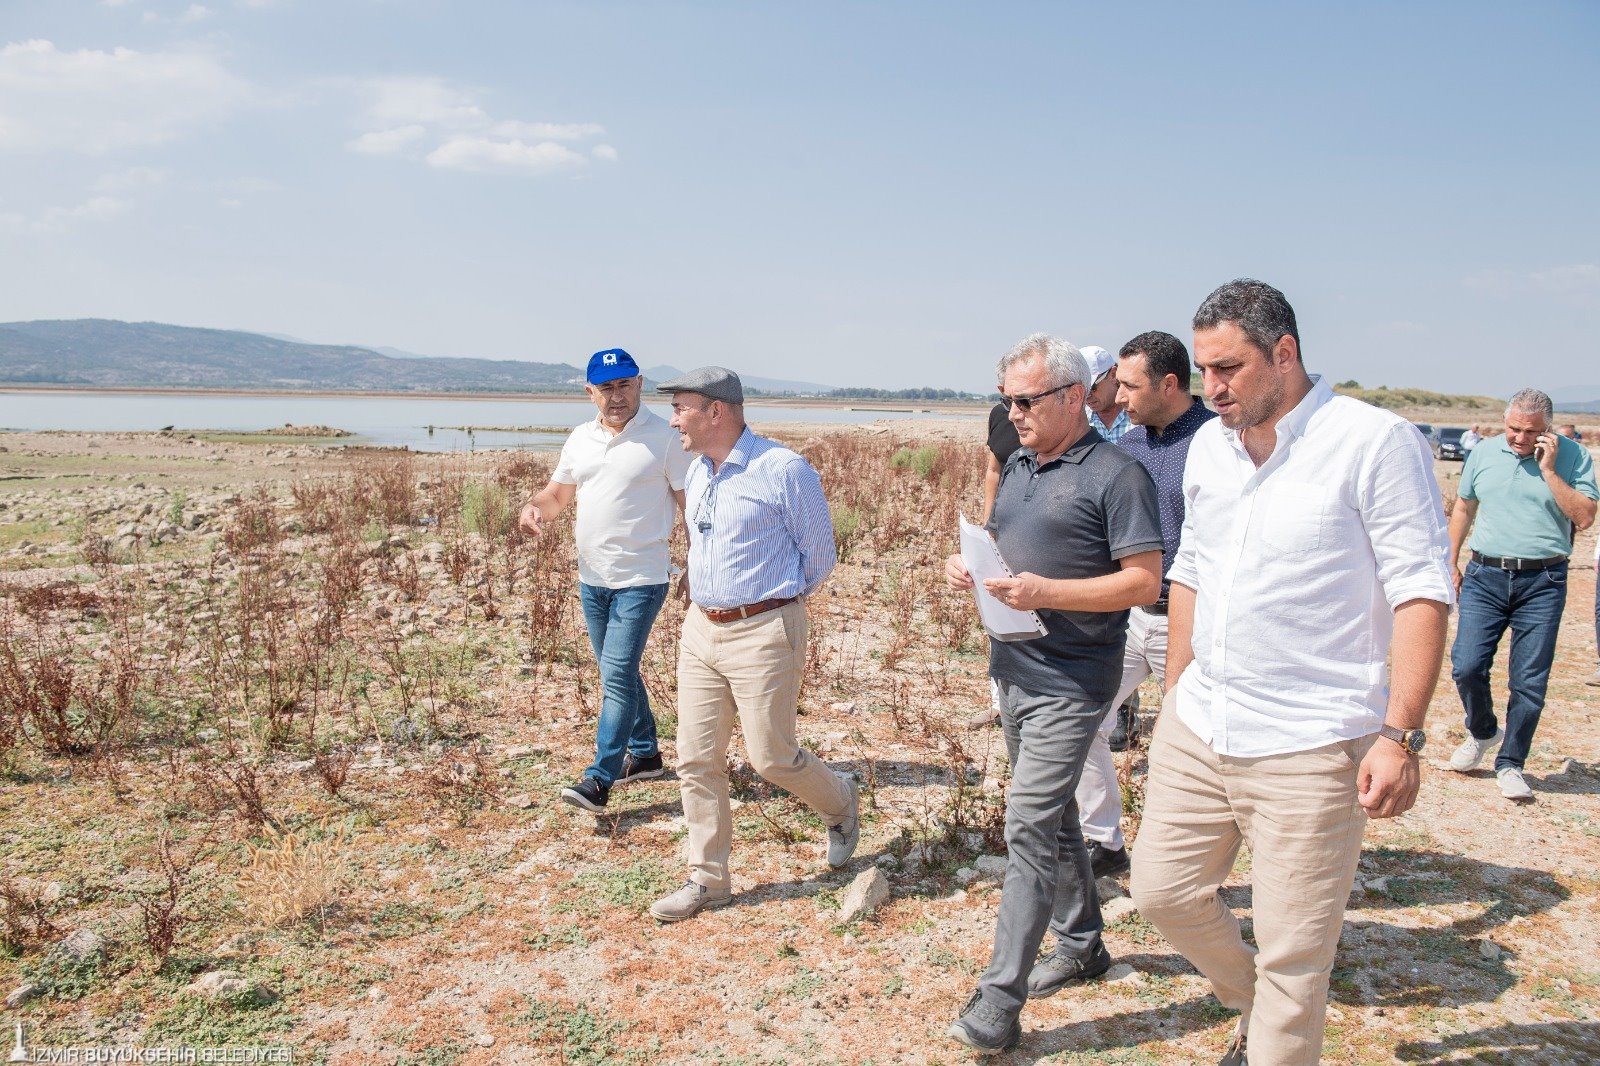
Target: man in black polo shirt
<point>1003,440</point>
<point>1077,523</point>
<point>1153,383</point>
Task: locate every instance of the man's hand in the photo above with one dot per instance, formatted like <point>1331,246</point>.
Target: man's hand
<point>955,574</point>
<point>683,588</point>
<point>1459,574</point>
<point>1388,780</point>
<point>530,519</point>
<point>1544,449</point>
<point>1024,592</point>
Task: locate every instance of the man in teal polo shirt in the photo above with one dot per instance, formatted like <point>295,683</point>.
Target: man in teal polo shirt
<point>1523,498</point>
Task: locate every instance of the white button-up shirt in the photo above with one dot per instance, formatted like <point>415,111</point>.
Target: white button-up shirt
<point>625,505</point>
<point>1297,568</point>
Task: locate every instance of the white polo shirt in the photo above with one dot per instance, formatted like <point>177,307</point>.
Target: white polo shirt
<point>1297,568</point>
<point>625,506</point>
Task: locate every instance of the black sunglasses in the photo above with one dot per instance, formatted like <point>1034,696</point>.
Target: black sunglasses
<point>1026,402</point>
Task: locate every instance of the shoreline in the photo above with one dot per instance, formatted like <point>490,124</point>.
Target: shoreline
<point>831,403</point>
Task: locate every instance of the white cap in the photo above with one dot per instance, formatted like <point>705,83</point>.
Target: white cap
<point>1101,362</point>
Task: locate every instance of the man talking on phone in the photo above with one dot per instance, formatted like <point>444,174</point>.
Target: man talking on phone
<point>1523,498</point>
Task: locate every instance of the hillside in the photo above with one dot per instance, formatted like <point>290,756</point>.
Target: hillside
<point>106,353</point>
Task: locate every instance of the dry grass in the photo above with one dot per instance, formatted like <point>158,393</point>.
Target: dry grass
<point>289,877</point>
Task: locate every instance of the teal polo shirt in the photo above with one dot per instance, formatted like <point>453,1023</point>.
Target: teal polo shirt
<point>1517,514</point>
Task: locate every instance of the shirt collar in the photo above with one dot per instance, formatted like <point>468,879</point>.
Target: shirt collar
<point>1184,424</point>
<point>1295,423</point>
<point>738,457</point>
<point>1074,455</point>
<point>640,420</point>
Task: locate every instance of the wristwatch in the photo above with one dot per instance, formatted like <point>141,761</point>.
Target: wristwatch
<point>1412,740</point>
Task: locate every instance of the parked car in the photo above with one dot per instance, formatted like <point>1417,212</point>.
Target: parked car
<point>1429,432</point>
<point>1447,443</point>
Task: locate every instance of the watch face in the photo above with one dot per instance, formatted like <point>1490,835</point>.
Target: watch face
<point>1415,739</point>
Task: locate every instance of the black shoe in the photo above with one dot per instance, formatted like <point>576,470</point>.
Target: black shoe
<point>1107,862</point>
<point>985,1028</point>
<point>1058,969</point>
<point>637,769</point>
<point>589,794</point>
<point>1126,726</point>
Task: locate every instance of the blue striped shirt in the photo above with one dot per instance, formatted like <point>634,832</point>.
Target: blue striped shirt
<point>759,527</point>
<point>1119,425</point>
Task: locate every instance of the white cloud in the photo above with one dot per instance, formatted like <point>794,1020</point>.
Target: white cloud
<point>386,142</point>
<point>400,113</point>
<point>1577,280</point>
<point>547,131</point>
<point>95,209</point>
<point>93,102</point>
<point>194,13</point>
<point>131,178</point>
<point>482,155</point>
<point>606,152</point>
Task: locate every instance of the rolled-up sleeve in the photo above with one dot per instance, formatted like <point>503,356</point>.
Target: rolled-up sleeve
<point>1403,515</point>
<point>1184,570</point>
<point>806,516</point>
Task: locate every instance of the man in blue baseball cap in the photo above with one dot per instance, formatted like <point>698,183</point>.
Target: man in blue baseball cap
<point>626,469</point>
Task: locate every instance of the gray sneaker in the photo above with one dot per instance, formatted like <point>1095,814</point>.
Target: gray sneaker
<point>687,902</point>
<point>1059,969</point>
<point>842,838</point>
<point>985,1028</point>
<point>1512,785</point>
<point>1472,750</point>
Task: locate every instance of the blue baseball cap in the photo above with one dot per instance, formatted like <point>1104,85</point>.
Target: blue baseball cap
<point>611,364</point>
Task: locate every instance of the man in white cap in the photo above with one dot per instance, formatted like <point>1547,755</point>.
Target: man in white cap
<point>760,542</point>
<point>1107,416</point>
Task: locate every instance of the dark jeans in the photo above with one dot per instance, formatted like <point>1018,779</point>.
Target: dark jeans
<point>619,623</point>
<point>1048,879</point>
<point>1530,603</point>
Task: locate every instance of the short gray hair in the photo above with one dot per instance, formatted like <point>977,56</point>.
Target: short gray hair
<point>1062,362</point>
<point>1532,402</point>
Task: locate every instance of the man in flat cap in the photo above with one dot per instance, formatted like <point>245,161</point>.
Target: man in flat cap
<point>760,541</point>
<point>625,468</point>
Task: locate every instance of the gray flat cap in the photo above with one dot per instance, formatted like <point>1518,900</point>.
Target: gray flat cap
<point>713,382</point>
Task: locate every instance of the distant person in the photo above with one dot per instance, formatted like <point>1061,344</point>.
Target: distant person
<point>626,469</point>
<point>1003,441</point>
<point>1594,678</point>
<point>1313,533</point>
<point>1570,432</point>
<point>1523,498</point>
<point>760,542</point>
<point>1107,414</point>
<point>1153,376</point>
<point>1075,518</point>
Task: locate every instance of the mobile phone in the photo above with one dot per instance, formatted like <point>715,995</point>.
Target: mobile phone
<point>1540,444</point>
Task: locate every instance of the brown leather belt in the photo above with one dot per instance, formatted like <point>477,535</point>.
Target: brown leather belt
<point>749,610</point>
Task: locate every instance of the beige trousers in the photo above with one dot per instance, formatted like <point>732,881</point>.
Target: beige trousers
<point>750,667</point>
<point>1299,815</point>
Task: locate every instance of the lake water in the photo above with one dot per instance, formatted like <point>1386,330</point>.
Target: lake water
<point>375,420</point>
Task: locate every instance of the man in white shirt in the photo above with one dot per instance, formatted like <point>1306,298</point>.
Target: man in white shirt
<point>1470,439</point>
<point>1313,545</point>
<point>626,469</point>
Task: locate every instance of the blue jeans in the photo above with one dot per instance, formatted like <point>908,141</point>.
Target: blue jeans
<point>619,622</point>
<point>1530,603</point>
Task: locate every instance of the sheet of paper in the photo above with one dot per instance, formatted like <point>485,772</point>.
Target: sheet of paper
<point>982,556</point>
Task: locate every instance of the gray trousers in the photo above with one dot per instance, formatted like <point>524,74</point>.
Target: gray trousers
<point>1048,880</point>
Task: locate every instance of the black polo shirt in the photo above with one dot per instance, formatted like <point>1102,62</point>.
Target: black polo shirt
<point>1003,439</point>
<point>1074,517</point>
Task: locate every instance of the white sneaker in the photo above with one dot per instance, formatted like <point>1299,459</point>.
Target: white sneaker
<point>1472,750</point>
<point>1512,786</point>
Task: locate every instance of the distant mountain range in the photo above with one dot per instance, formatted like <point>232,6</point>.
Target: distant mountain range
<point>1579,399</point>
<point>111,354</point>
<point>106,353</point>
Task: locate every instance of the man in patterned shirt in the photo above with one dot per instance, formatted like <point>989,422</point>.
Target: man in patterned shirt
<point>760,541</point>
<point>1107,413</point>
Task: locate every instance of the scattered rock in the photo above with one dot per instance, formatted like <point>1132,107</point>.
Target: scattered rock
<point>865,894</point>
<point>1114,910</point>
<point>522,801</point>
<point>376,992</point>
<point>82,945</point>
<point>238,946</point>
<point>966,875</point>
<point>484,1040</point>
<point>844,707</point>
<point>1378,885</point>
<point>1489,949</point>
<point>21,994</point>
<point>519,751</point>
<point>1120,973</point>
<point>992,867</point>
<point>229,984</point>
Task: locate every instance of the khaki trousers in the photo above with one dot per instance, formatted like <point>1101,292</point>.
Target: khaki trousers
<point>1299,815</point>
<point>750,668</point>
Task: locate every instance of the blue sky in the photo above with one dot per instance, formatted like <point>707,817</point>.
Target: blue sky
<point>859,194</point>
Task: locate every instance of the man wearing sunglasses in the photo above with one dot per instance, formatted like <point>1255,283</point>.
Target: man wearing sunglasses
<point>1077,522</point>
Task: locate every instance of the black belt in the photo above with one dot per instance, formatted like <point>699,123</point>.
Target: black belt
<point>1518,564</point>
<point>1155,608</point>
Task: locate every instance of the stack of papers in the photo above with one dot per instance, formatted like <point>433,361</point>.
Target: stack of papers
<point>982,556</point>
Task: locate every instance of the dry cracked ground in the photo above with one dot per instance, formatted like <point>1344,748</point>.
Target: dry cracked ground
<point>288,723</point>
